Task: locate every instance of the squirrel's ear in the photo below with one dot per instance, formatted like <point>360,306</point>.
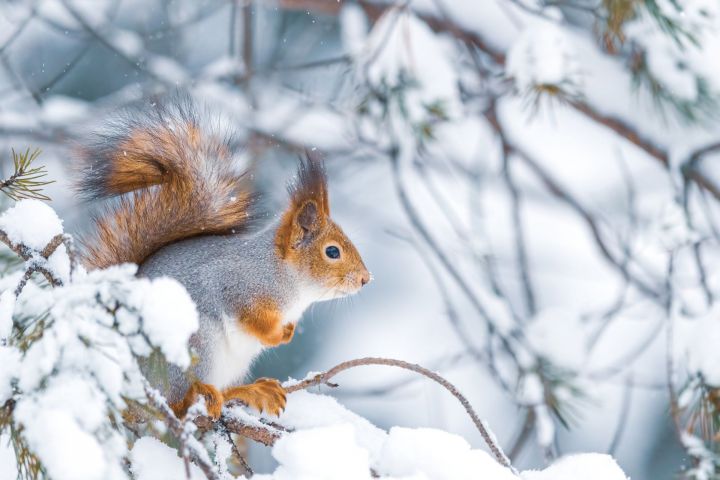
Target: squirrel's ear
<point>307,223</point>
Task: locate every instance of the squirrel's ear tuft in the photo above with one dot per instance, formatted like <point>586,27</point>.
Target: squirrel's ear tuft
<point>309,206</point>
<point>311,184</point>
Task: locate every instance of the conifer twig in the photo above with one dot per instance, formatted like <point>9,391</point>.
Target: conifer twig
<point>26,180</point>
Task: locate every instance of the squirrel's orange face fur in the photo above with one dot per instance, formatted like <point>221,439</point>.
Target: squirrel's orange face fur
<point>309,240</point>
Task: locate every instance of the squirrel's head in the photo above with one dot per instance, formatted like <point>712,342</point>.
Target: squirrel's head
<point>309,240</point>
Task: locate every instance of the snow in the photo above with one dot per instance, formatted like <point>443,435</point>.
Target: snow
<point>8,464</point>
<point>530,390</point>
<point>10,361</point>
<point>589,466</point>
<point>128,42</point>
<point>702,347</point>
<point>543,56</point>
<point>169,317</point>
<point>544,425</point>
<point>153,460</point>
<point>224,66</point>
<point>401,48</point>
<point>437,455</point>
<point>68,451</point>
<point>31,222</point>
<point>548,333</point>
<point>60,110</point>
<point>679,64</point>
<point>71,383</point>
<point>7,306</point>
<point>354,27</point>
<point>308,410</point>
<point>324,453</point>
<point>574,285</point>
<point>327,442</point>
<point>166,68</point>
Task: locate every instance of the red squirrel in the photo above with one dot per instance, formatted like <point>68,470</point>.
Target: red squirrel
<point>182,211</point>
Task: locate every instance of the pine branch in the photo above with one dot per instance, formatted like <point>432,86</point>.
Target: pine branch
<point>26,181</point>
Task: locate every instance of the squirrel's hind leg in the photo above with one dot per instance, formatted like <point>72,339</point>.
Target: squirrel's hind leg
<point>266,394</point>
<point>213,400</point>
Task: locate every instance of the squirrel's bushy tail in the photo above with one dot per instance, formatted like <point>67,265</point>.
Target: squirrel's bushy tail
<point>173,178</point>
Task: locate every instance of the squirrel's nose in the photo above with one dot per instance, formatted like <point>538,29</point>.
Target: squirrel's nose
<point>365,278</point>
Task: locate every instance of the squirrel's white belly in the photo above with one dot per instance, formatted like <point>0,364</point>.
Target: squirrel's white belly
<point>236,351</point>
<point>233,356</point>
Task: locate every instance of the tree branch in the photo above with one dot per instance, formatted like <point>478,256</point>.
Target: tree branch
<point>270,434</point>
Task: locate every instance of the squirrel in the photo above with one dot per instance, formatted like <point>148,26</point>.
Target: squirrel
<point>182,210</point>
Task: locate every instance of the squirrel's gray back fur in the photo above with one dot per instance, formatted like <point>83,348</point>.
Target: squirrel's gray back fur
<point>213,269</point>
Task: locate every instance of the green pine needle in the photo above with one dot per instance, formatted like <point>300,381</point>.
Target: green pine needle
<point>27,180</point>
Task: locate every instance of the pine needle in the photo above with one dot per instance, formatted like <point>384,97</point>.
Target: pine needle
<point>27,180</point>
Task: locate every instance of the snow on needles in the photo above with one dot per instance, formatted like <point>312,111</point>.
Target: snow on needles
<point>413,79</point>
<point>76,363</point>
<point>75,378</point>
<point>543,57</point>
<point>402,48</point>
<point>169,317</point>
<point>682,64</point>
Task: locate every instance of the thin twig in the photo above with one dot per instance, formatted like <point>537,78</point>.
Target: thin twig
<point>490,440</point>
<point>177,427</point>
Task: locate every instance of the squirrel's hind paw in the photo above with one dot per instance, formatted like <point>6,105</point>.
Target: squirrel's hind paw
<point>265,395</point>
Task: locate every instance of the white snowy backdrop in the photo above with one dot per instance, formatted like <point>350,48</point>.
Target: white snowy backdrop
<point>533,184</point>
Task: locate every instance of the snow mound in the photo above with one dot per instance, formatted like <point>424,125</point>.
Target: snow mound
<point>586,466</point>
<point>436,455</point>
<point>328,442</point>
<point>32,223</point>
<point>169,318</point>
<point>153,460</point>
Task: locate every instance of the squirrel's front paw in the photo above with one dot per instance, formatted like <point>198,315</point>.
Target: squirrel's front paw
<point>288,332</point>
<point>265,395</point>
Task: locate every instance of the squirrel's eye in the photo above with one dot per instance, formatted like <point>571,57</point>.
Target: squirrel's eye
<point>332,252</point>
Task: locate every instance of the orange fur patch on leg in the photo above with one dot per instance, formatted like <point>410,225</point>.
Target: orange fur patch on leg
<point>265,395</point>
<point>263,320</point>
<point>213,400</point>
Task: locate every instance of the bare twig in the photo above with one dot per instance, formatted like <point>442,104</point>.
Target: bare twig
<point>490,440</point>
<point>35,261</point>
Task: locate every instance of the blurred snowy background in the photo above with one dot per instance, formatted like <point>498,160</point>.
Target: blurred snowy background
<point>533,184</point>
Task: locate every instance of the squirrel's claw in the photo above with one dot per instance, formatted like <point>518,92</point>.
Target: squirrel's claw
<point>213,405</point>
<point>288,332</point>
<point>265,395</point>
